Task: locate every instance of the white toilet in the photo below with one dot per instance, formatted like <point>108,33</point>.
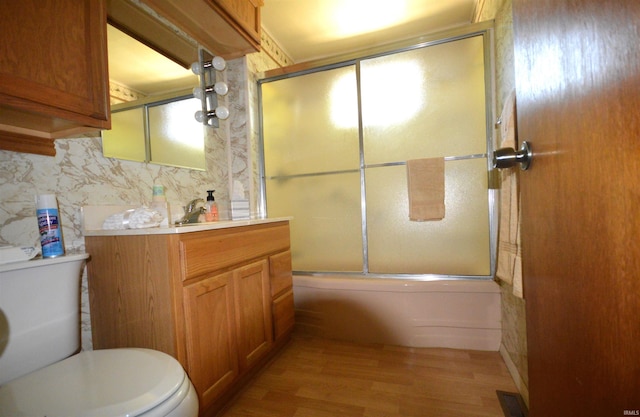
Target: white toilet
<point>40,327</point>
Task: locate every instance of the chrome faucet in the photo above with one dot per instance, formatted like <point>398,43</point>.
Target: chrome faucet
<point>192,212</point>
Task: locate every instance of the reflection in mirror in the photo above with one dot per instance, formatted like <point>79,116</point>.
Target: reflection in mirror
<point>126,139</point>
<point>152,107</point>
<point>175,136</point>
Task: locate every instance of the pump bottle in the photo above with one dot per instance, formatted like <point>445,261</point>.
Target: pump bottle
<point>159,204</point>
<point>211,208</point>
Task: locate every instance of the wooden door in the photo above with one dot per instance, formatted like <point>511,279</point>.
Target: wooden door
<point>253,312</point>
<point>578,100</point>
<point>212,359</point>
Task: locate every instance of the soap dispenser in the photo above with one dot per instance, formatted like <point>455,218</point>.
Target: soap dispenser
<point>211,208</point>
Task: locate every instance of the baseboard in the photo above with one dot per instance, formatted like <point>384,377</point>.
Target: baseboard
<point>517,378</point>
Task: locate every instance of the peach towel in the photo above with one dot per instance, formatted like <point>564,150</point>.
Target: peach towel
<point>425,178</point>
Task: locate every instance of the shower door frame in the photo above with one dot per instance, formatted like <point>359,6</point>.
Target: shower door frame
<point>484,29</point>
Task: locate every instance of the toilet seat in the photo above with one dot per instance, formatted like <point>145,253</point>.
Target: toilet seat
<point>111,382</point>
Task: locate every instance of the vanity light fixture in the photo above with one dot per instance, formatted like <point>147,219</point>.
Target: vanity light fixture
<point>219,88</point>
<point>221,112</point>
<point>217,63</point>
<point>209,90</point>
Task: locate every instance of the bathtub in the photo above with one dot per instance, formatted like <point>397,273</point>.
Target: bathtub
<point>460,314</point>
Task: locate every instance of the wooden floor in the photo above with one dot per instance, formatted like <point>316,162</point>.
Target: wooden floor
<point>315,377</point>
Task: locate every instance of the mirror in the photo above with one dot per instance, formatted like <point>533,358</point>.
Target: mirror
<point>152,107</point>
<point>140,68</point>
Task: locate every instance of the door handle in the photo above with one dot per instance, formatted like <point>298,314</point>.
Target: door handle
<point>509,157</point>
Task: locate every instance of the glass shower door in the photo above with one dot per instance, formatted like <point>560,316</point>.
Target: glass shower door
<point>336,141</point>
<point>427,103</point>
<point>311,163</point>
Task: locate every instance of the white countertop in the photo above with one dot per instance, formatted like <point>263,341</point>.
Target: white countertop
<point>197,227</point>
<point>93,217</point>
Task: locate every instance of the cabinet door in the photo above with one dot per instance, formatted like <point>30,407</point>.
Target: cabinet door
<point>282,293</point>
<point>253,312</point>
<point>53,68</point>
<point>212,361</point>
<point>283,315</point>
<point>280,270</point>
<point>214,27</point>
<point>245,13</point>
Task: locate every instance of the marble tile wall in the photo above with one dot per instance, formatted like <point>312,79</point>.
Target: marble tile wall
<point>79,175</point>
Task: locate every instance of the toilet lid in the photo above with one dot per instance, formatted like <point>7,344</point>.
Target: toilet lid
<point>110,382</point>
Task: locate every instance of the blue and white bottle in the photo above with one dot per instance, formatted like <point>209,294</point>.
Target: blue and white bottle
<point>49,226</point>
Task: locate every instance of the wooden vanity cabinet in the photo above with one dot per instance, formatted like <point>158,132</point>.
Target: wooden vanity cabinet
<point>219,301</point>
<point>53,72</point>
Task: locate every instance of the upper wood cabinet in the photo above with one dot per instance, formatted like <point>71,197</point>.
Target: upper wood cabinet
<point>228,28</point>
<point>244,13</point>
<point>54,80</point>
<point>147,28</point>
<point>53,72</point>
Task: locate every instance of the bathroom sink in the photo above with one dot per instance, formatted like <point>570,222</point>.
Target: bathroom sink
<point>177,224</point>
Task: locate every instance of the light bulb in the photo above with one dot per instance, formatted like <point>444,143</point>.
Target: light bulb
<point>197,93</point>
<point>220,88</point>
<point>218,63</point>
<point>196,68</point>
<point>222,112</point>
<point>200,117</point>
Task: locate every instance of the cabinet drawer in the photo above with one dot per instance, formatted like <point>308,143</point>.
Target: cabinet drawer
<point>283,314</point>
<point>280,272</point>
<point>205,252</point>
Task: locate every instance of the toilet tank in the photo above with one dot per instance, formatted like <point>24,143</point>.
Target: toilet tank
<point>39,313</point>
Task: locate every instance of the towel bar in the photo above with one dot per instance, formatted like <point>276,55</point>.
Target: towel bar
<point>386,164</point>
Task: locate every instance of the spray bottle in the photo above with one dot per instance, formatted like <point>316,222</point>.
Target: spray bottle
<point>49,226</point>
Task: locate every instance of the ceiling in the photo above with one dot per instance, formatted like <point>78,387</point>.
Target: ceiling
<point>314,29</point>
<point>305,29</point>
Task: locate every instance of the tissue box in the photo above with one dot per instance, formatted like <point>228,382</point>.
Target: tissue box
<point>240,209</point>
